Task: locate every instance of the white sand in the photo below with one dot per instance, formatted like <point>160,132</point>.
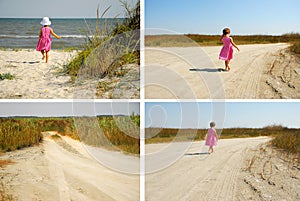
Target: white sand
<point>35,79</point>
<point>54,172</point>
<point>168,73</point>
<point>199,176</point>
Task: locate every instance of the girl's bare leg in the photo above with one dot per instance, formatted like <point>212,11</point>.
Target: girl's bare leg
<point>227,65</point>
<point>47,57</point>
<point>43,53</point>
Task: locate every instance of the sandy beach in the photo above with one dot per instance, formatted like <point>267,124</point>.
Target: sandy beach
<point>223,175</point>
<point>34,79</point>
<point>63,170</point>
<point>264,71</point>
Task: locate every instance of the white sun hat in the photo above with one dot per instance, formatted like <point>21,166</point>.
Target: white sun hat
<point>46,21</point>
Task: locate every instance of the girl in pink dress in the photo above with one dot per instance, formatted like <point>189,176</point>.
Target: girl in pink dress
<point>45,40</point>
<point>211,137</point>
<point>227,50</point>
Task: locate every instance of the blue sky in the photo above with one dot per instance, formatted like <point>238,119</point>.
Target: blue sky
<point>237,114</point>
<point>272,17</point>
<point>57,109</point>
<point>60,8</point>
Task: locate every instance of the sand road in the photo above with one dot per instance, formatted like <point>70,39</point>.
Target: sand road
<point>199,176</point>
<point>257,72</point>
<point>64,171</point>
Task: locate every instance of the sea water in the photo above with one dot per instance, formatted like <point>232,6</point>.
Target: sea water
<point>24,33</point>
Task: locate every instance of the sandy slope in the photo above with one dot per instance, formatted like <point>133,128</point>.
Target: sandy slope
<point>34,79</point>
<point>258,71</point>
<point>199,176</point>
<point>65,171</point>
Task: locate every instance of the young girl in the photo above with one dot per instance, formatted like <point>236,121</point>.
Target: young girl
<point>227,50</point>
<point>45,40</point>
<point>211,137</point>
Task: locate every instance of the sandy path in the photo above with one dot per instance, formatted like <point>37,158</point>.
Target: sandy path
<point>54,171</point>
<point>192,73</point>
<point>198,175</point>
<point>35,78</point>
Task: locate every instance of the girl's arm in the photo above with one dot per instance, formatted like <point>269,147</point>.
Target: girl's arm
<point>222,38</point>
<point>40,33</point>
<point>54,34</point>
<point>216,134</point>
<point>234,45</point>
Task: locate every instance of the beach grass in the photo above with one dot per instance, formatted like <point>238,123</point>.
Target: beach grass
<point>17,133</point>
<point>295,47</point>
<point>288,142</point>
<point>102,49</point>
<point>187,40</point>
<point>7,76</point>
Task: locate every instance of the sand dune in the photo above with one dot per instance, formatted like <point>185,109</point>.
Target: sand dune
<point>258,72</point>
<point>65,171</point>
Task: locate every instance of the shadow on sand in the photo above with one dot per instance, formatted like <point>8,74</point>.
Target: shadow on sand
<point>209,70</point>
<point>196,154</point>
<point>24,62</point>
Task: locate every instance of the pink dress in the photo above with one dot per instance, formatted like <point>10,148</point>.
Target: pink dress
<point>227,49</point>
<point>45,40</point>
<point>211,139</point>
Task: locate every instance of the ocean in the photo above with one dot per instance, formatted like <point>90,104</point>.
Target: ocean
<point>24,33</point>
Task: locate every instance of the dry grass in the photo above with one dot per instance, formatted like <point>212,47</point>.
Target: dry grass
<point>16,133</point>
<point>211,40</point>
<point>121,132</point>
<point>288,141</point>
<point>295,47</point>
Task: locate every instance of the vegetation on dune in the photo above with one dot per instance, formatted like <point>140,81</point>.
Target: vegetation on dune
<point>103,47</point>
<point>295,47</point>
<point>7,76</point>
<point>288,141</point>
<point>121,132</point>
<point>211,40</point>
<point>16,134</point>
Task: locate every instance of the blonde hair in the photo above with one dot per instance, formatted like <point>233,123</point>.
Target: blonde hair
<point>212,124</point>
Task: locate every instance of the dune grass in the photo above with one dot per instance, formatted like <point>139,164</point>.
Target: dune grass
<point>16,134</point>
<point>7,76</point>
<point>288,142</point>
<point>295,47</point>
<point>213,40</point>
<point>121,132</point>
<point>103,47</point>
